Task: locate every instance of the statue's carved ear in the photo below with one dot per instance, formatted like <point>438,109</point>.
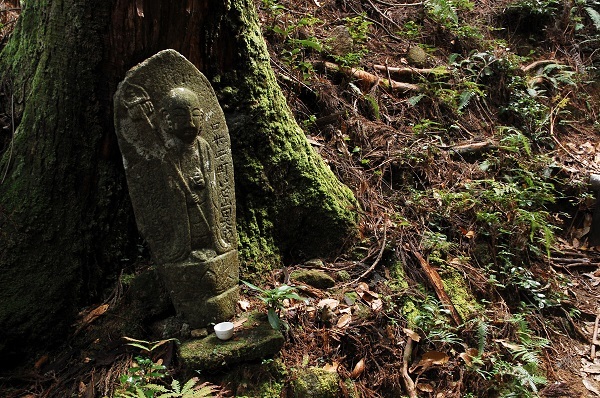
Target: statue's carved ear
<point>166,117</point>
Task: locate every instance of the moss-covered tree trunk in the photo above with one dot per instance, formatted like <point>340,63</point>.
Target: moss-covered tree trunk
<point>65,216</point>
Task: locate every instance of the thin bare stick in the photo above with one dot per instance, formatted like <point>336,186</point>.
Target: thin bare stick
<point>475,147</point>
<point>409,384</point>
<point>372,267</point>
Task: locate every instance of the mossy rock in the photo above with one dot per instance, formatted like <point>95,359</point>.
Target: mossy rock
<point>265,380</point>
<point>460,294</point>
<point>315,278</point>
<point>416,56</point>
<point>255,340</point>
<point>315,383</point>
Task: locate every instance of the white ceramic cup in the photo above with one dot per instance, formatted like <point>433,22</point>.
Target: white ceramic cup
<point>224,330</point>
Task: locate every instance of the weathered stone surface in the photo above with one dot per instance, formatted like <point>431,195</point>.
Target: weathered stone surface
<point>416,56</point>
<point>315,383</point>
<point>203,292</point>
<point>256,341</point>
<point>177,157</point>
<point>314,278</point>
<point>340,41</point>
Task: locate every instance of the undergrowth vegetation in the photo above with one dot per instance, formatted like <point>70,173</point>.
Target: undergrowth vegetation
<point>469,169</point>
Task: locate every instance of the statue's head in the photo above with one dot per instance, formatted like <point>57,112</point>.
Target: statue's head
<point>182,114</point>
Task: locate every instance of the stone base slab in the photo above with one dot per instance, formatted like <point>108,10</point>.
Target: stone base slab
<point>203,292</point>
<point>254,340</point>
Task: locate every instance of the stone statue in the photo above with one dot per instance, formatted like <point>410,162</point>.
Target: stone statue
<point>177,157</point>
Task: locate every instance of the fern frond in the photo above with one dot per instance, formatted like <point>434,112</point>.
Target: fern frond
<point>464,99</point>
<point>189,385</point>
<point>482,332</point>
<point>594,16</point>
<point>442,10</point>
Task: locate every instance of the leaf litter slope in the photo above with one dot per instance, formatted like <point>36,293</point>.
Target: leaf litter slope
<point>479,166</point>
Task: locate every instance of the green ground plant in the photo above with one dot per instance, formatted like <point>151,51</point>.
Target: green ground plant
<point>141,380</point>
<point>274,300</point>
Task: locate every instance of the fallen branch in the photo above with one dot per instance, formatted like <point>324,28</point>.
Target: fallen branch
<point>471,148</point>
<point>438,286</point>
<point>408,71</point>
<point>370,78</point>
<point>538,63</point>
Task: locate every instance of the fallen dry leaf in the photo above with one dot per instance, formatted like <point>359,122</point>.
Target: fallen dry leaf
<point>330,303</point>
<point>468,355</point>
<point>344,321</point>
<point>509,345</point>
<point>40,362</point>
<point>361,287</point>
<point>436,357</point>
<point>592,368</point>
<point>358,369</point>
<point>376,304</point>
<point>428,360</point>
<point>93,314</point>
<point>244,304</point>
<point>239,322</point>
<point>591,386</point>
<point>412,334</point>
<point>331,368</point>
<point>425,387</point>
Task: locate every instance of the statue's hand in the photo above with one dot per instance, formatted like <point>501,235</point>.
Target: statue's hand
<point>198,179</point>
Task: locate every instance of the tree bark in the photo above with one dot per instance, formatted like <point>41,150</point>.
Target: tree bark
<point>65,215</point>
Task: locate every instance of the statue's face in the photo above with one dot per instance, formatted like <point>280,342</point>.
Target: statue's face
<point>183,114</point>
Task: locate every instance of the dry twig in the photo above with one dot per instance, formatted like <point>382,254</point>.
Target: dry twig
<point>409,384</point>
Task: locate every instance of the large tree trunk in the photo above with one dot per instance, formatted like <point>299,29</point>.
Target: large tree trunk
<point>65,216</point>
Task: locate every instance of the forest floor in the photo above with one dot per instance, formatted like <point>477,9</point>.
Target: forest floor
<point>468,132</point>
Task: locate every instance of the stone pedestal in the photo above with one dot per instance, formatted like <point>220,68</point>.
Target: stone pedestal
<point>255,340</point>
<point>203,292</point>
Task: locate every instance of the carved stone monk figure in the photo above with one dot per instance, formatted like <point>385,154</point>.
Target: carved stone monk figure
<point>193,161</point>
<point>177,157</point>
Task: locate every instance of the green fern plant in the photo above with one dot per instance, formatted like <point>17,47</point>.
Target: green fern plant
<point>442,11</point>
<point>191,389</point>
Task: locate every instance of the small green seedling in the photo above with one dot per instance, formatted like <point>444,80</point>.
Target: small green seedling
<point>274,298</point>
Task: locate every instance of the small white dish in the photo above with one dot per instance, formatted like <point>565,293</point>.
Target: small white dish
<point>224,330</point>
